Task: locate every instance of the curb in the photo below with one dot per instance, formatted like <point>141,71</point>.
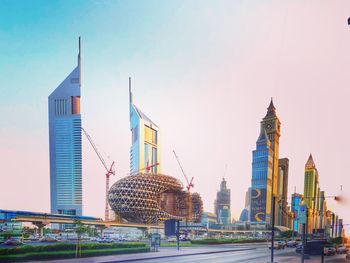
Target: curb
<point>184,255</point>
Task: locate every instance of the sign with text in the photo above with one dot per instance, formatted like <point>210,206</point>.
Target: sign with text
<point>258,205</point>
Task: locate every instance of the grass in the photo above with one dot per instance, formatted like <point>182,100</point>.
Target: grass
<point>217,241</point>
<point>174,244</point>
<point>70,254</point>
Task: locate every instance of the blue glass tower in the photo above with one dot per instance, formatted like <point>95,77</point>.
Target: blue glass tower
<point>296,203</point>
<point>65,144</point>
<point>261,180</point>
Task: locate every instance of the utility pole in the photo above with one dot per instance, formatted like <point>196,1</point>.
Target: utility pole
<point>273,228</point>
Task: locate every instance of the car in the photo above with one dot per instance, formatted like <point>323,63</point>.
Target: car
<point>282,244</point>
<point>292,243</point>
<point>341,250</point>
<point>48,239</point>
<point>329,251</point>
<point>347,256</point>
<point>13,241</point>
<point>276,245</point>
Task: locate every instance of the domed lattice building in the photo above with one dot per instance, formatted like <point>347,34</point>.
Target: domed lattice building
<point>149,198</point>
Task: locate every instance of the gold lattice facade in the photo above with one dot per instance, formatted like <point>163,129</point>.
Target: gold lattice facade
<point>150,198</point>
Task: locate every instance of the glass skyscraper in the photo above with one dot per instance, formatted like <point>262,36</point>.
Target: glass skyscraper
<point>65,144</point>
<point>261,180</point>
<point>145,145</point>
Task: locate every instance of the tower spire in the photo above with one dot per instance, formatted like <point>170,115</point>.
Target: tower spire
<point>271,110</point>
<point>79,54</point>
<point>310,164</point>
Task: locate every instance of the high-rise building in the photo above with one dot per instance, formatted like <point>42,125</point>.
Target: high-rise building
<point>145,147</point>
<point>261,189</point>
<point>282,190</point>
<point>297,200</point>
<point>265,169</point>
<point>313,197</point>
<point>223,204</point>
<point>65,144</point>
<point>272,125</point>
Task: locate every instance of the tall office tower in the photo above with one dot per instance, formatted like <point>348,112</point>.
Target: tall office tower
<point>223,204</point>
<point>296,203</point>
<point>65,145</point>
<point>311,194</point>
<point>145,145</point>
<point>323,210</point>
<point>261,189</point>
<point>282,190</point>
<point>272,125</point>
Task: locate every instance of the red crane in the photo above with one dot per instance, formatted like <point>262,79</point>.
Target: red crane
<point>147,168</point>
<point>109,171</point>
<point>189,185</point>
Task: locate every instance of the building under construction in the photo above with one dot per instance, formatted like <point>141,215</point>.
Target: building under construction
<point>150,198</point>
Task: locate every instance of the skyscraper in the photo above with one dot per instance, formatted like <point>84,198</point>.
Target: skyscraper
<point>260,203</point>
<point>223,204</point>
<point>65,144</point>
<point>296,203</point>
<point>145,145</point>
<point>312,195</point>
<point>282,190</point>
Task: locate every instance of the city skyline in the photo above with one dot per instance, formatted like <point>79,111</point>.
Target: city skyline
<point>209,91</point>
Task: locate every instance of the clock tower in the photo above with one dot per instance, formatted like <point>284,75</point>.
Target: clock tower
<point>272,125</point>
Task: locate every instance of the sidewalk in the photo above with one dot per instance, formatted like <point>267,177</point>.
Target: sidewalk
<point>163,253</point>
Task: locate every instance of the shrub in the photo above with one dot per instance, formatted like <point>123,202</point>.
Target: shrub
<point>68,247</point>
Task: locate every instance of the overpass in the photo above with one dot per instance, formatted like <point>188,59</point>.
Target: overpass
<point>42,219</point>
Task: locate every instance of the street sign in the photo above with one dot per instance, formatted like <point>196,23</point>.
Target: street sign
<point>302,214</point>
<point>170,227</point>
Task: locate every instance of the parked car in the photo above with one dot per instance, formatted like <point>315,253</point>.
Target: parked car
<point>342,250</point>
<point>13,241</point>
<point>329,251</point>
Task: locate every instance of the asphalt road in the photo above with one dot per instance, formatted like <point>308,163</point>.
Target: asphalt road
<point>259,255</point>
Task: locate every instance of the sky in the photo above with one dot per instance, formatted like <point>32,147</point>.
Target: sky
<point>203,71</point>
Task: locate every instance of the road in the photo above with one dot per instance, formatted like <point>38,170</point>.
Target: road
<point>247,253</point>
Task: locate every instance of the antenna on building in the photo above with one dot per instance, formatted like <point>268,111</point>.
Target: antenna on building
<point>130,93</point>
<point>79,54</point>
<point>225,171</point>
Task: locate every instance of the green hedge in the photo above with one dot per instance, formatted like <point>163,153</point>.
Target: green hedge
<point>215,241</point>
<point>71,254</point>
<point>69,246</point>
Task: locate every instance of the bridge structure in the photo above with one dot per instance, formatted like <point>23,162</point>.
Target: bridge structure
<point>40,220</point>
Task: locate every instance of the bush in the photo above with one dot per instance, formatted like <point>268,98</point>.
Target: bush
<point>69,246</point>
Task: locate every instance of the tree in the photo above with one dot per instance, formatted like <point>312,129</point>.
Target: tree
<point>80,229</point>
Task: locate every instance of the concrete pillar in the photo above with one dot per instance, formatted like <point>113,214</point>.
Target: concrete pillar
<point>40,226</point>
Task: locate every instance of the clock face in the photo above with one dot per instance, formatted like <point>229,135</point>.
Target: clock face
<point>268,126</point>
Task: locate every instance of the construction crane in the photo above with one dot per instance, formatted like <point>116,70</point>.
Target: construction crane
<point>189,185</point>
<point>147,168</point>
<point>109,171</point>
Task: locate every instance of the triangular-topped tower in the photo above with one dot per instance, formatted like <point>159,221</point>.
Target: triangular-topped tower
<point>310,164</point>
<point>145,147</point>
<point>65,144</point>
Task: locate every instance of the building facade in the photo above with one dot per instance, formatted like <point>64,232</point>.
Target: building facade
<point>261,189</point>
<point>65,145</point>
<point>297,200</point>
<point>223,204</point>
<point>282,190</point>
<point>145,145</point>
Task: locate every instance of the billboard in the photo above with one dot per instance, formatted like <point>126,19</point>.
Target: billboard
<point>258,206</point>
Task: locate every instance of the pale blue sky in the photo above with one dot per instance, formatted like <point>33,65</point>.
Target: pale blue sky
<point>204,71</point>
